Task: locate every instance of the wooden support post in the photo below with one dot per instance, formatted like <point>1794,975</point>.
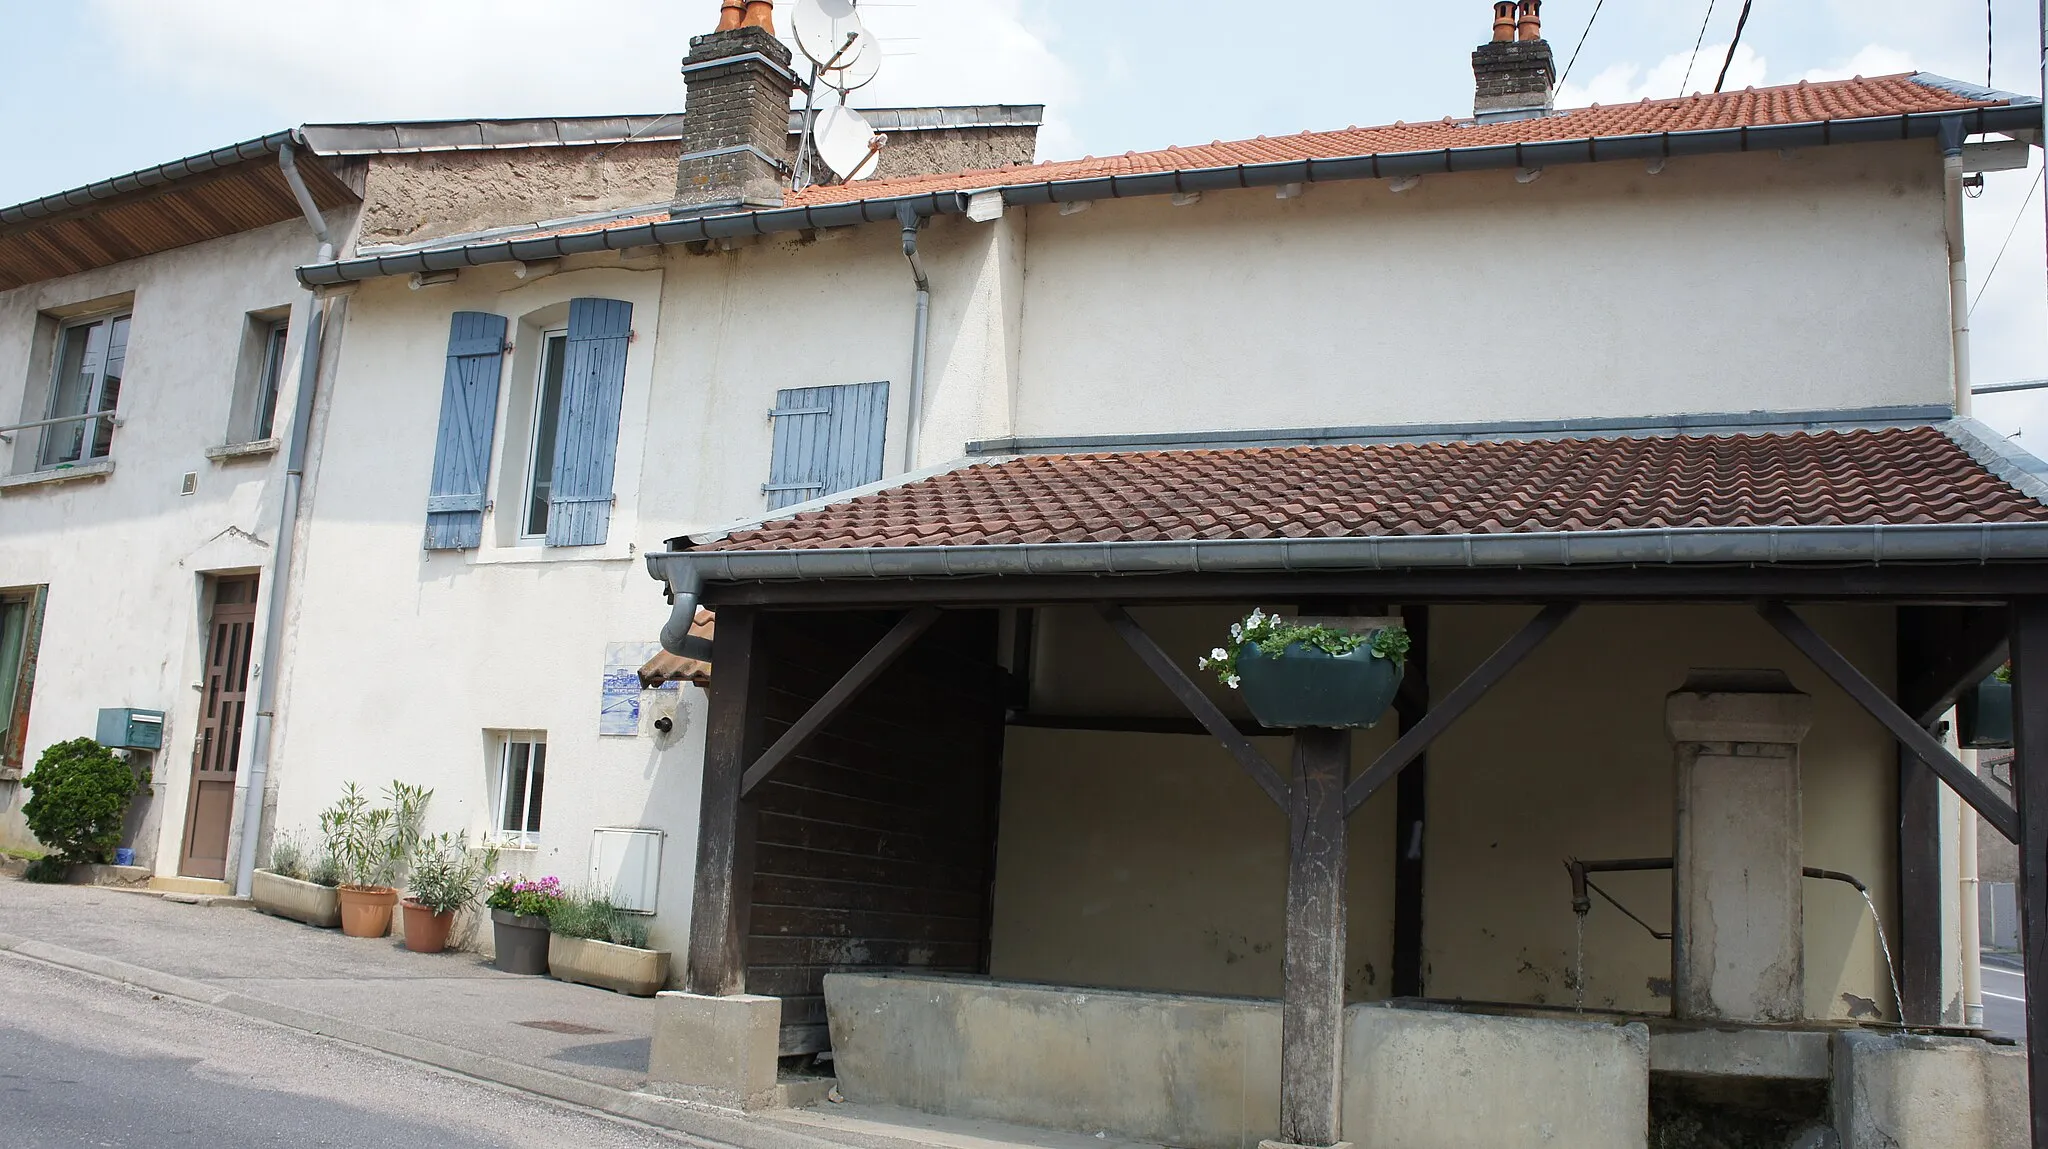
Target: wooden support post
<point>2030,786</point>
<point>1904,727</point>
<point>1312,1008</point>
<point>718,914</point>
<point>1411,804</point>
<point>1206,712</point>
<point>870,667</point>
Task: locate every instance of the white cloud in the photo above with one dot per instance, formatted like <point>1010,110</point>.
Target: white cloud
<point>1673,76</point>
<point>314,60</point>
<point>1873,60</point>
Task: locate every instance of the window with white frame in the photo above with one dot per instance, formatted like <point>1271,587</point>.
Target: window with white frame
<point>270,377</point>
<point>540,450</point>
<point>522,774</point>
<point>91,356</point>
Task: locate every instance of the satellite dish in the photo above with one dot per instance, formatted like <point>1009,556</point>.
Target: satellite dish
<point>831,34</point>
<point>845,142</point>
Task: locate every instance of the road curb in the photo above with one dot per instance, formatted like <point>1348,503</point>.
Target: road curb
<point>716,1128</point>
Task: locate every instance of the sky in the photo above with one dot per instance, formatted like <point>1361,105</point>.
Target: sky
<point>93,88</point>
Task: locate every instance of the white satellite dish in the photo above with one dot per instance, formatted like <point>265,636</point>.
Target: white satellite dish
<point>831,34</point>
<point>845,142</point>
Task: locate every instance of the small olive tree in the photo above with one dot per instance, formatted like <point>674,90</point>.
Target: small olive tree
<point>79,792</point>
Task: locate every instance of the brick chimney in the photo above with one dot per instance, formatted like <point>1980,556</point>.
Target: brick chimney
<point>1516,72</point>
<point>736,115</point>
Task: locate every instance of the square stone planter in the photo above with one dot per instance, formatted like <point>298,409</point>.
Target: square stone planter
<point>622,969</point>
<point>308,902</point>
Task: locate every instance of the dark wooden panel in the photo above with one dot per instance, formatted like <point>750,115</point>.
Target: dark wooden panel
<point>814,922</point>
<point>1410,814</point>
<point>776,890</point>
<point>774,858</point>
<point>873,953</point>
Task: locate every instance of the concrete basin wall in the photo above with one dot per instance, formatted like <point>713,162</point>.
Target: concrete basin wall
<point>1203,1072</point>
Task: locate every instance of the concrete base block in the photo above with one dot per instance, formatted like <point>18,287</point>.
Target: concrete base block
<point>1193,1072</point>
<point>1908,1092</point>
<point>716,1050</point>
<point>121,877</point>
<point>1781,1055</point>
<point>1512,1082</point>
<point>1291,1145</point>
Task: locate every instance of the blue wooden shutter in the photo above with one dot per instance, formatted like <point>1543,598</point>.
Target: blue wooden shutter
<point>827,440</point>
<point>469,417</point>
<point>587,438</point>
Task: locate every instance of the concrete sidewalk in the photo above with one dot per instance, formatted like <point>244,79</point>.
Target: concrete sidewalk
<point>584,1046</point>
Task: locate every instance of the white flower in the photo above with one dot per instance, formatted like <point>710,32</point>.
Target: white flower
<point>1219,654</point>
<point>1234,680</point>
<point>1236,631</point>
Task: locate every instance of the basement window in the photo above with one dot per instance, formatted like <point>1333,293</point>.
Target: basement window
<point>522,774</point>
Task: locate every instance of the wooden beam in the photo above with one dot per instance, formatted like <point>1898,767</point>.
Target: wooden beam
<point>718,913</point>
<point>1206,712</point>
<point>2030,785</point>
<point>1924,745</point>
<point>1312,1002</point>
<point>870,667</point>
<point>1973,584</point>
<point>1944,652</point>
<point>1456,703</point>
<point>1411,805</point>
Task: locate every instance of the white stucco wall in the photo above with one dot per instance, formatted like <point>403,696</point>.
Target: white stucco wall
<point>125,555</point>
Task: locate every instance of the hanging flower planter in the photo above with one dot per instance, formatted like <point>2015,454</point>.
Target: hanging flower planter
<point>1296,676</point>
<point>1984,714</point>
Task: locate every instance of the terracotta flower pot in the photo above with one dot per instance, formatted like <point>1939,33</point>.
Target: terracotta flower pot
<point>366,910</point>
<point>426,932</point>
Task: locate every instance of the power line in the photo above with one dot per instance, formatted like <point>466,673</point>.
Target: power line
<point>1682,84</point>
<point>1582,43</point>
<point>1986,285</point>
<point>1741,23</point>
<point>1987,43</point>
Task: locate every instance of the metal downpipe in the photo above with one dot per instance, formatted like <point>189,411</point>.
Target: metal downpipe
<point>912,221</point>
<point>1958,265</point>
<point>249,784</point>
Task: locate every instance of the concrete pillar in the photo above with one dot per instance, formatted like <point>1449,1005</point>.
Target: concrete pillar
<point>1738,945</point>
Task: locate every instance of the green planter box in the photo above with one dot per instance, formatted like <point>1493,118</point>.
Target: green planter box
<point>1303,686</point>
<point>1984,716</point>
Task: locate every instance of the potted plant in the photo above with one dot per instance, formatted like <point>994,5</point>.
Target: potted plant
<point>1295,674</point>
<point>519,921</point>
<point>299,882</point>
<point>595,943</point>
<point>1984,713</point>
<point>445,878</point>
<point>372,847</point>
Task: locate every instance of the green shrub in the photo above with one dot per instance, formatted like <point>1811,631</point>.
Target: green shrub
<point>446,876</point>
<point>592,916</point>
<point>372,847</point>
<point>79,794</point>
<point>49,869</point>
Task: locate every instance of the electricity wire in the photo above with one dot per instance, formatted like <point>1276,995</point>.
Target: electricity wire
<point>1582,43</point>
<point>1740,23</point>
<point>2009,233</point>
<point>1987,43</point>
<point>1696,49</point>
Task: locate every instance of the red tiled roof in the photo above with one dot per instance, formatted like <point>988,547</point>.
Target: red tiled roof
<point>1899,476</point>
<point>1790,104</point>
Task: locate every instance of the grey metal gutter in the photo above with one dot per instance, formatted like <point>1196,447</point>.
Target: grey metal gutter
<point>2023,114</point>
<point>135,181</point>
<point>1725,423</point>
<point>407,136</point>
<point>939,118</point>
<point>2009,461</point>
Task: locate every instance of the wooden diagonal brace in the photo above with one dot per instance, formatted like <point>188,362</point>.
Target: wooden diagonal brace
<point>1456,703</point>
<point>849,686</point>
<point>1924,745</point>
<point>1198,703</point>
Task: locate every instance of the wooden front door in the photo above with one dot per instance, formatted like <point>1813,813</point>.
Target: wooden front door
<point>217,745</point>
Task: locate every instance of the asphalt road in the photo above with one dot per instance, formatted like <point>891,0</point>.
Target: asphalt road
<point>89,1062</point>
<point>2005,1001</point>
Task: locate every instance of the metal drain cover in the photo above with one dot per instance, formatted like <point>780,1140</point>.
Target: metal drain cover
<point>568,1027</point>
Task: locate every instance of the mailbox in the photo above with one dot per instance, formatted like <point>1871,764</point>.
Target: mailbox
<point>126,728</point>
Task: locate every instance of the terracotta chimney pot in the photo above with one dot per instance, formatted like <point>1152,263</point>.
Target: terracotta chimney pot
<point>1530,26</point>
<point>1504,22</point>
<point>760,14</point>
<point>729,14</point>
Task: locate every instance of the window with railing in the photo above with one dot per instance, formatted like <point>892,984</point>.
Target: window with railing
<point>91,356</point>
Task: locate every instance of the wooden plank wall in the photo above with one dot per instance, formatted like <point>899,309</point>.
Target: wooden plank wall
<point>875,846</point>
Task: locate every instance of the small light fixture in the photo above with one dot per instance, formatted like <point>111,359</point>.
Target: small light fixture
<point>1287,191</point>
<point>1185,199</point>
<point>985,207</point>
<point>433,278</point>
<point>535,268</point>
<point>1400,184</point>
<point>1076,207</point>
<point>1528,175</point>
<point>1656,167</point>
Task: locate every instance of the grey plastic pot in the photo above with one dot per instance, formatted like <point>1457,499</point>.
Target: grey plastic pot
<point>1303,686</point>
<point>521,941</point>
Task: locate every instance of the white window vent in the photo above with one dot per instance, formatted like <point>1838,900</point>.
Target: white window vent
<point>626,864</point>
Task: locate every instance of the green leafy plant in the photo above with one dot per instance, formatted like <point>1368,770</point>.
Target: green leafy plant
<point>373,846</point>
<point>447,875</point>
<point>591,915</point>
<point>2004,674</point>
<point>80,793</point>
<point>292,856</point>
<point>1270,635</point>
<point>526,897</point>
